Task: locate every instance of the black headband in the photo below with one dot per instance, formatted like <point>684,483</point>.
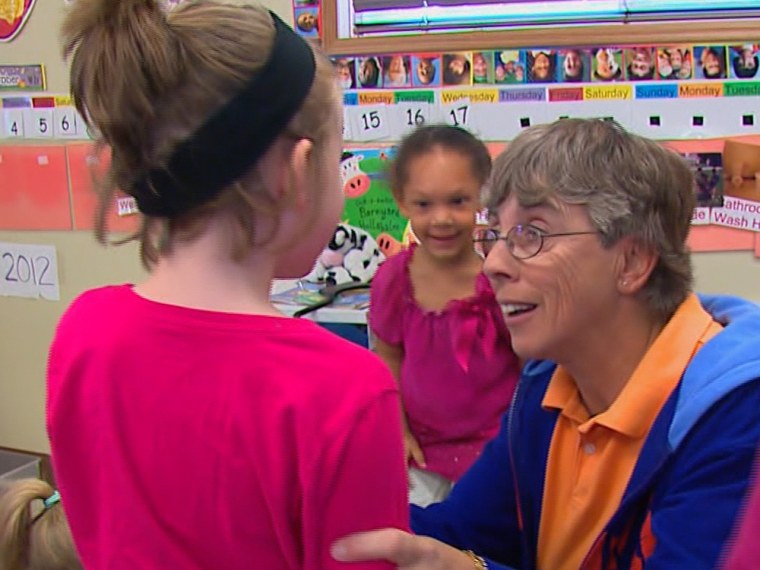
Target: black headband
<point>225,147</point>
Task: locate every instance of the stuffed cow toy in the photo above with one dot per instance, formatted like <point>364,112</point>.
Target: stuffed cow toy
<point>352,256</point>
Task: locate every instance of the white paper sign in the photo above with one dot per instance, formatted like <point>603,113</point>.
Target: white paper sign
<point>408,116</point>
<point>700,216</point>
<point>126,206</point>
<point>65,122</point>
<point>370,122</point>
<point>737,213</point>
<point>13,126</point>
<point>460,114</point>
<point>29,271</point>
<point>348,134</point>
<point>39,123</point>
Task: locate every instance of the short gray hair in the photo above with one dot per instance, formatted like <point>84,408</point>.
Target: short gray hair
<point>632,186</point>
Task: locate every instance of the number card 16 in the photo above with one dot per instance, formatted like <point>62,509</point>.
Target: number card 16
<point>29,271</point>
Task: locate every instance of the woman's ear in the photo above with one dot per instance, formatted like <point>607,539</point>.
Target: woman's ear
<point>637,263</point>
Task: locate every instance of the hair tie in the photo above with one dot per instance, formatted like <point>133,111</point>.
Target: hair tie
<point>48,504</point>
<point>52,500</point>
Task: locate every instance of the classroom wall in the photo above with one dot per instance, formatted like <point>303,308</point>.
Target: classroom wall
<point>27,326</point>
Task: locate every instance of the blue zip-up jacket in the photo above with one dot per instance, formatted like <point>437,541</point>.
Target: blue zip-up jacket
<point>685,490</point>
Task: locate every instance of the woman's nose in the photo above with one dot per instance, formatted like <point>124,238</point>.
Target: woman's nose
<point>500,263</point>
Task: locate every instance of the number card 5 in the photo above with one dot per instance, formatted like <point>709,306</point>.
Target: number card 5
<point>370,122</point>
<point>29,271</point>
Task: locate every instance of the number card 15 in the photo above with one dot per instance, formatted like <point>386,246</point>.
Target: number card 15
<point>29,271</point>
<point>370,122</point>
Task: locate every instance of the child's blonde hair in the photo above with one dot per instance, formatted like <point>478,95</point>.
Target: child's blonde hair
<point>34,542</point>
<point>145,80</point>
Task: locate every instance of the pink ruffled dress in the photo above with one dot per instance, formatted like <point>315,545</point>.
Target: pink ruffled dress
<point>459,371</point>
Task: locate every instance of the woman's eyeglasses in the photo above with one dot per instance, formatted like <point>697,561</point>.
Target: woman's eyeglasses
<point>523,242</point>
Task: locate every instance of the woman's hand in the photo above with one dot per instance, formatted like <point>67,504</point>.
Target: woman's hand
<point>412,449</point>
<point>406,551</point>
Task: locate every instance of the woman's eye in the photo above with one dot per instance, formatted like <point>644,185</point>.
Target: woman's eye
<point>533,234</point>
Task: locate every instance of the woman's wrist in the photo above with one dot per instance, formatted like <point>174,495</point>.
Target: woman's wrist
<point>478,562</point>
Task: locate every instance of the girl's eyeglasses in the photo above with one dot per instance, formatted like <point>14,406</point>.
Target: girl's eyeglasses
<point>523,241</point>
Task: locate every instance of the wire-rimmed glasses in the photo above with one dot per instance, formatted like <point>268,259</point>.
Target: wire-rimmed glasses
<point>523,241</point>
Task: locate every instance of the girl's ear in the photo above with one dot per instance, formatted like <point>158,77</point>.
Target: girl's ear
<point>299,163</point>
<point>287,170</point>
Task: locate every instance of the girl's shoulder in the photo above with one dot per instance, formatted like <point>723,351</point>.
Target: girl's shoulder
<point>392,277</point>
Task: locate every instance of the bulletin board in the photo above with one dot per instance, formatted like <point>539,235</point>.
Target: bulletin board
<point>692,87</point>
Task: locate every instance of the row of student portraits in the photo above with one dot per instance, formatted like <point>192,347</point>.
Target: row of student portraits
<point>571,65</point>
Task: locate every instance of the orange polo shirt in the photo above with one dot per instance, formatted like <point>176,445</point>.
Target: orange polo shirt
<point>591,459</point>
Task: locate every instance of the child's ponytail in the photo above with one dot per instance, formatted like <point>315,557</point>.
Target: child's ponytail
<point>29,541</point>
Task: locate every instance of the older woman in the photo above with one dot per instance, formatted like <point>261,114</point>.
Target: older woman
<point>631,436</point>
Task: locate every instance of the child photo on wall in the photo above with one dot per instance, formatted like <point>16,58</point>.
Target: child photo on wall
<point>674,62</point>
<point>542,66</point>
<point>608,64</point>
<point>368,72</point>
<point>744,61</point>
<point>457,68</point>
<point>509,67</point>
<point>396,71</point>
<point>426,70</point>
<point>711,62</point>
<point>640,63</point>
<point>482,67</point>
<point>307,21</point>
<point>708,178</point>
<point>575,65</point>
<point>346,71</point>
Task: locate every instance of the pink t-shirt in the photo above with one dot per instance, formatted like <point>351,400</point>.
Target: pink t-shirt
<point>190,439</point>
<point>458,373</point>
<point>744,552</point>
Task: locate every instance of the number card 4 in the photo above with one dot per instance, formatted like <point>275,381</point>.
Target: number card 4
<point>370,122</point>
<point>29,271</point>
<point>13,123</point>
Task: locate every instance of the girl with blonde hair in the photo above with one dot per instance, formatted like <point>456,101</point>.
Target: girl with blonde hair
<point>34,534</point>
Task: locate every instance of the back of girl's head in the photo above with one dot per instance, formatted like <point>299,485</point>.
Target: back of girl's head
<point>146,80</point>
<point>428,138</point>
<point>34,542</point>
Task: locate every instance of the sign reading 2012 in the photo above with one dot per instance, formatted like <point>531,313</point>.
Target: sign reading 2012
<point>29,271</point>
